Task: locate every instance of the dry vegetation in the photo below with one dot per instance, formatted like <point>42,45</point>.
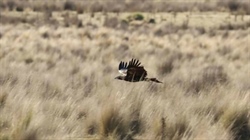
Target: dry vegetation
<point>58,63</point>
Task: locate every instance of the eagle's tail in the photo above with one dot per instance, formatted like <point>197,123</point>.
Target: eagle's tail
<point>153,80</point>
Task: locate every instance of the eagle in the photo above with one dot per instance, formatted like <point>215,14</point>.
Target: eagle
<point>133,72</point>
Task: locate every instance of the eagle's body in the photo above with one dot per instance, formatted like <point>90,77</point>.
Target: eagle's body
<point>133,72</point>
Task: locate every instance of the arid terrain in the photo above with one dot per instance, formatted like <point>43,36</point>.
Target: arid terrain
<point>58,61</point>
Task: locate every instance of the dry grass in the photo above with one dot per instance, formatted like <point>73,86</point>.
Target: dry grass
<point>57,74</point>
<point>238,7</point>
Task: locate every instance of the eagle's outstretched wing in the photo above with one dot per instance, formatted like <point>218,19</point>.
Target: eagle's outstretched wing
<point>123,68</point>
<point>132,70</point>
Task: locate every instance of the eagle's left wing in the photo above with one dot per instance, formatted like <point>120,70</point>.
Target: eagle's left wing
<point>123,68</point>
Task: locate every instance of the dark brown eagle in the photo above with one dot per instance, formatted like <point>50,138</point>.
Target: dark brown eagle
<point>133,72</point>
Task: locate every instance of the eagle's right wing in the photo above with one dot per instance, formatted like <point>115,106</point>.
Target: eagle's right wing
<point>135,72</point>
<point>134,63</point>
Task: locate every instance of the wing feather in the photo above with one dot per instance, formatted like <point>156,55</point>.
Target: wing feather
<point>122,65</point>
<point>134,63</point>
<point>123,68</point>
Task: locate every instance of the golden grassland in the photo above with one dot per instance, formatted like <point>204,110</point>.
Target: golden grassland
<point>83,6</point>
<point>57,74</point>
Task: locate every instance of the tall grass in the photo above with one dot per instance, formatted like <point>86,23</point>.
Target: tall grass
<point>237,6</point>
<point>57,80</point>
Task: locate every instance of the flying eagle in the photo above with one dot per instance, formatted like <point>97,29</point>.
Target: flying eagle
<point>133,72</point>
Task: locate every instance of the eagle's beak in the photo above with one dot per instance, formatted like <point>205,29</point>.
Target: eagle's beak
<point>118,77</point>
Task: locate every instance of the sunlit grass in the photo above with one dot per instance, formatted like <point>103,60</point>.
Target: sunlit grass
<point>57,77</point>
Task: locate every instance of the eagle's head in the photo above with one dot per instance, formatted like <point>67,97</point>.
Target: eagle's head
<point>120,77</point>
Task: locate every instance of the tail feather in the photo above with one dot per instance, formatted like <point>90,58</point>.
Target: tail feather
<point>153,80</point>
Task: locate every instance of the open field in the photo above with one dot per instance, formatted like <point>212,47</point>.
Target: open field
<point>57,71</point>
<point>83,6</point>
